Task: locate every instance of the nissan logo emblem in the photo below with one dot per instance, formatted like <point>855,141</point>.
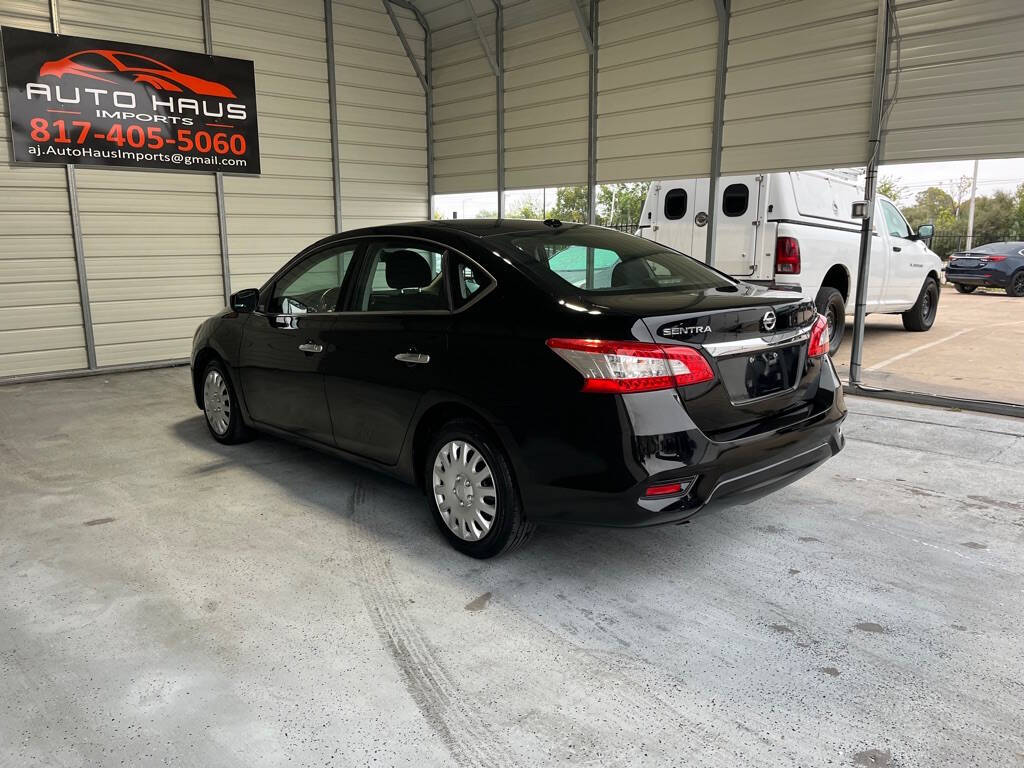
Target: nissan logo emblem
<point>768,321</point>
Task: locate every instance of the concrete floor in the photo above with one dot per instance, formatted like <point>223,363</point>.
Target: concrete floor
<point>164,599</point>
<point>972,350</point>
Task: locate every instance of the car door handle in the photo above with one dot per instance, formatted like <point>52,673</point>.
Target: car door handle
<point>417,358</point>
<point>897,248</point>
<point>311,347</point>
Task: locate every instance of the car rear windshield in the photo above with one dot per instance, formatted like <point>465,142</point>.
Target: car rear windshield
<point>594,260</point>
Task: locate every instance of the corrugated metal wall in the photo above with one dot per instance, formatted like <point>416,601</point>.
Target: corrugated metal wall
<point>798,91</point>
<point>656,88</point>
<point>961,90</point>
<point>465,98</point>
<point>291,204</point>
<point>546,73</point>
<point>40,317</point>
<point>381,115</point>
<point>151,244</point>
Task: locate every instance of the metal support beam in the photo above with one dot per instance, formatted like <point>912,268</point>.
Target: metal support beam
<point>721,67</point>
<point>592,118</point>
<point>581,22</point>
<point>499,40</point>
<point>218,178</point>
<point>491,58</point>
<point>878,93</point>
<point>426,80</point>
<point>76,235</point>
<point>405,44</point>
<point>332,93</point>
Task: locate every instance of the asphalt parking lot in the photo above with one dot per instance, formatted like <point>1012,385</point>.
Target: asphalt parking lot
<point>167,600</point>
<point>973,350</point>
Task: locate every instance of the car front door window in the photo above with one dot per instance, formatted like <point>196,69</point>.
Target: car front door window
<point>313,285</point>
<point>894,221</point>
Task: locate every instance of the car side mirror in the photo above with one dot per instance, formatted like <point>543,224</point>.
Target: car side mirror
<point>925,231</point>
<point>245,300</point>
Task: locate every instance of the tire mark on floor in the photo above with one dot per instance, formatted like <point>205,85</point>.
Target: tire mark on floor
<point>470,740</point>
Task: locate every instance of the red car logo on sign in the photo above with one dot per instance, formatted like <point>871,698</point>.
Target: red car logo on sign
<point>105,65</point>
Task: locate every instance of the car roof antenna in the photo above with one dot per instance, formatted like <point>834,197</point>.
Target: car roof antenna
<point>555,223</point>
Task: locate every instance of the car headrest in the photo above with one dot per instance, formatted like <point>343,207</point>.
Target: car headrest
<point>406,269</point>
<point>631,272</point>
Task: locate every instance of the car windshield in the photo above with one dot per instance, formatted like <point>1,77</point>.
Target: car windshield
<point>596,260</point>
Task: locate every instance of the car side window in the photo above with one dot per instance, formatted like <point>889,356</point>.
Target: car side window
<point>468,280</point>
<point>312,285</point>
<point>93,61</point>
<point>402,277</point>
<point>894,221</point>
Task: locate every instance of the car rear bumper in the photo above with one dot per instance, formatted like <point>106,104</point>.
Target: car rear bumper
<point>714,473</point>
<point>992,279</point>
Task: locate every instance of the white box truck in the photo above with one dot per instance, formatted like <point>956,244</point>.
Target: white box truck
<point>794,231</point>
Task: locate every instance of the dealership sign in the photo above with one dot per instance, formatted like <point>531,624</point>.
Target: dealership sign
<point>94,102</point>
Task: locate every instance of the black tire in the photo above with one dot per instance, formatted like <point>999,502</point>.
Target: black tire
<point>831,304</point>
<point>921,316</point>
<point>235,430</point>
<point>963,288</point>
<point>1015,287</point>
<point>509,529</point>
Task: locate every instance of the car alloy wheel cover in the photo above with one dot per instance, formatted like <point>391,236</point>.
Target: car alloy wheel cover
<point>1018,282</point>
<point>217,402</point>
<point>464,490</point>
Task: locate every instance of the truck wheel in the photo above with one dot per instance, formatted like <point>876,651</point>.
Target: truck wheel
<point>921,316</point>
<point>962,288</point>
<point>1015,287</point>
<point>830,303</point>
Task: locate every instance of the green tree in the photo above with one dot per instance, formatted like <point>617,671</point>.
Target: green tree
<point>890,187</point>
<point>526,209</point>
<point>995,217</point>
<point>620,204</point>
<point>570,204</point>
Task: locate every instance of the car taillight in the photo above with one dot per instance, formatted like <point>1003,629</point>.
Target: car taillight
<point>632,366</point>
<point>818,345</point>
<point>787,256</point>
<point>987,259</point>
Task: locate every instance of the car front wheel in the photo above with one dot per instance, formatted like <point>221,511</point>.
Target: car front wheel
<point>221,406</point>
<point>1015,287</point>
<point>471,493</point>
<point>921,316</point>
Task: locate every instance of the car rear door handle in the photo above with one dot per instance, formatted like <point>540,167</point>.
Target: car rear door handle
<point>311,347</point>
<point>417,358</point>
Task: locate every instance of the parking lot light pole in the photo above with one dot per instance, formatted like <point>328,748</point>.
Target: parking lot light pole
<point>870,185</point>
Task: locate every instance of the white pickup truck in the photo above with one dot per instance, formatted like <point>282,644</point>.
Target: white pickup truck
<point>794,231</point>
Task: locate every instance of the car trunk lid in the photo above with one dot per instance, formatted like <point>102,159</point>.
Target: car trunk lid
<point>757,343</point>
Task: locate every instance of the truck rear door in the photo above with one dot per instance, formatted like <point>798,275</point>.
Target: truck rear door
<point>736,220</point>
<point>674,206</point>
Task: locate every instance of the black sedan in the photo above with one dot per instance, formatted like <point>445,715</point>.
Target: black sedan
<point>494,365</point>
<point>996,265</point>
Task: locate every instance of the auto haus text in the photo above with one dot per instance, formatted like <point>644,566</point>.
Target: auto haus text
<point>123,105</point>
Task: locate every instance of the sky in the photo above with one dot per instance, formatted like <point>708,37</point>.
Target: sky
<point>993,175</point>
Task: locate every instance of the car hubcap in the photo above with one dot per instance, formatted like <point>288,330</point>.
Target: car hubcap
<point>830,318</point>
<point>1019,283</point>
<point>464,491</point>
<point>217,402</point>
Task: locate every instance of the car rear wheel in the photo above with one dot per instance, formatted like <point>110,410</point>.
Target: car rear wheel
<point>830,303</point>
<point>921,316</point>
<point>220,405</point>
<point>1015,287</point>
<point>962,288</point>
<point>471,493</point>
